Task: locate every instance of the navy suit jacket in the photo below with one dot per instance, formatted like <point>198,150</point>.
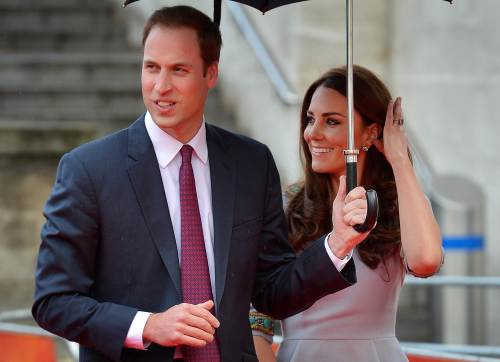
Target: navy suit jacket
<point>108,248</point>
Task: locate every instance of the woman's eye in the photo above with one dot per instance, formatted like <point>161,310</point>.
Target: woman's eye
<point>309,120</point>
<point>331,122</point>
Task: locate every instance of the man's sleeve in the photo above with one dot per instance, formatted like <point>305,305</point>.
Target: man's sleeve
<point>67,264</point>
<point>287,284</point>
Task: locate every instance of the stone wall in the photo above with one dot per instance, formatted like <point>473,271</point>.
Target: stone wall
<point>29,153</point>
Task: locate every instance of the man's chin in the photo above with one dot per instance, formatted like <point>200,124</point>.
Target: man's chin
<point>163,121</point>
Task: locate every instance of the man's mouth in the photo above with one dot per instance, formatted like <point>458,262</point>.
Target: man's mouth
<point>165,105</point>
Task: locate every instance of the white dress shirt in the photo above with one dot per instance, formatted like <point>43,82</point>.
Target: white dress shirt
<point>169,159</point>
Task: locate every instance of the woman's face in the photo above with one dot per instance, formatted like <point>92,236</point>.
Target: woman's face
<point>326,132</point>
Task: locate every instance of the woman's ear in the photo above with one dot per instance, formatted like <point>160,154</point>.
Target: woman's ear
<point>373,132</point>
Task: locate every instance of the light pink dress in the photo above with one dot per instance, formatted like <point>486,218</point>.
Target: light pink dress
<point>355,324</point>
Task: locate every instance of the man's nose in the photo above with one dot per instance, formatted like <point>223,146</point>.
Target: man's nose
<point>163,83</point>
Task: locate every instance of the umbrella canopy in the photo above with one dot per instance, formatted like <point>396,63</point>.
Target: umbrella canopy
<point>262,5</point>
<point>265,5</point>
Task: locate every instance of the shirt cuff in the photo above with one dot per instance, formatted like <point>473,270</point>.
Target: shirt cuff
<point>134,336</point>
<point>339,263</point>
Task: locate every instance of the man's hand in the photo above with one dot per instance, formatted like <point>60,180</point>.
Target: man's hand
<point>187,324</point>
<point>347,211</point>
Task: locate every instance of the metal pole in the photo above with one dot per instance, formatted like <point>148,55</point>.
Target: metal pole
<point>350,106</point>
<point>351,154</point>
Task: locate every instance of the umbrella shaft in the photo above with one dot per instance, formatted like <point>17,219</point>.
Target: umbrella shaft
<point>350,105</point>
<point>351,154</point>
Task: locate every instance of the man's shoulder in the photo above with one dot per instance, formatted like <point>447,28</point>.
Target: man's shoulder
<point>107,152</point>
<point>105,146</point>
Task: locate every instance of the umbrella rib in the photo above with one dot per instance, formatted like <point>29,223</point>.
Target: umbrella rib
<point>272,70</point>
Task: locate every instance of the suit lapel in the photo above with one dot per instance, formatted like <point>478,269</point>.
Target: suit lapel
<point>144,173</point>
<point>222,176</point>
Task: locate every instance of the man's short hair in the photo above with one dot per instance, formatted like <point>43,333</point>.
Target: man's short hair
<point>209,37</point>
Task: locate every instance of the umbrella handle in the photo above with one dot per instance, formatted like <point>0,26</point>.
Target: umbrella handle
<point>371,212</point>
<point>351,175</point>
<point>371,199</point>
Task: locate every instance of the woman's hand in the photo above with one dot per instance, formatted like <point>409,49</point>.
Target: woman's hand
<point>420,236</point>
<point>347,211</point>
<point>395,143</point>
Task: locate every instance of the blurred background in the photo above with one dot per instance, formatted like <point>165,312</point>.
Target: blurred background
<point>70,72</point>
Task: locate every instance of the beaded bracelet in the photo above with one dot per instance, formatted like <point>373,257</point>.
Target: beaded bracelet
<point>261,322</point>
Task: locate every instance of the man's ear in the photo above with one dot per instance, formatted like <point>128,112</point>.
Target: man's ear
<point>212,74</point>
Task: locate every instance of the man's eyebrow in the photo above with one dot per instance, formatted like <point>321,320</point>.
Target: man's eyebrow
<point>179,64</point>
<point>182,64</point>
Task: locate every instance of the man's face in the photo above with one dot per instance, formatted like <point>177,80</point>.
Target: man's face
<point>174,87</point>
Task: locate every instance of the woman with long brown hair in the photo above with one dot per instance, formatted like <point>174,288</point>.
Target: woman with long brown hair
<point>357,323</point>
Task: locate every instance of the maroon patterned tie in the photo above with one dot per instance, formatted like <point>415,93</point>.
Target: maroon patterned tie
<point>195,277</point>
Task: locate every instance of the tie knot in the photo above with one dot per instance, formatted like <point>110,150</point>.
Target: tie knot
<point>186,153</point>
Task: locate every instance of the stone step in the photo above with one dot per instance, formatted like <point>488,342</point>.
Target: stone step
<point>106,57</point>
<point>77,107</point>
<point>55,4</point>
<point>36,138</point>
<point>59,21</point>
<point>59,25</point>
<point>92,107</point>
<point>27,70</point>
<point>54,87</point>
<point>62,42</point>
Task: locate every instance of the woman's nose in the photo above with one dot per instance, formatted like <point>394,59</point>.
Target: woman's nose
<point>315,131</point>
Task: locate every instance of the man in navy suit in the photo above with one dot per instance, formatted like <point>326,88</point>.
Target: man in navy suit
<point>108,273</point>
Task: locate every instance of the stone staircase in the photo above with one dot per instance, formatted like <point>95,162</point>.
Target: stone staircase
<point>67,61</point>
<point>70,61</point>
<point>54,25</point>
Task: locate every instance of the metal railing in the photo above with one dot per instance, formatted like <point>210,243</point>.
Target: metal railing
<point>456,281</point>
<point>423,350</point>
<point>471,351</point>
<point>474,352</point>
<point>285,92</point>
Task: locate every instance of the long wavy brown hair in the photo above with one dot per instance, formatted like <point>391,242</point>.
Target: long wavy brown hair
<point>310,202</point>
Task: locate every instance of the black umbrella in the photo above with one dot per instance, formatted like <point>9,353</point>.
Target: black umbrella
<point>351,154</point>
<point>262,5</point>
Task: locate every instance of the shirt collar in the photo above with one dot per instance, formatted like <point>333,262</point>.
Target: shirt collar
<point>167,147</point>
